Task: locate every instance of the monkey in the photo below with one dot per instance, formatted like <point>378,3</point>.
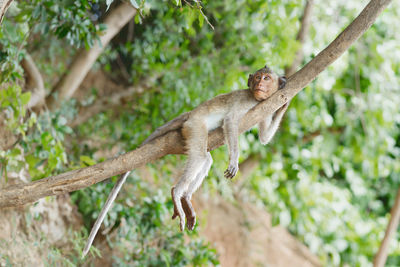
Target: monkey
<point>224,110</point>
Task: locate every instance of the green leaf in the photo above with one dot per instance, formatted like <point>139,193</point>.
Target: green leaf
<point>87,160</point>
<point>201,19</point>
<point>25,97</point>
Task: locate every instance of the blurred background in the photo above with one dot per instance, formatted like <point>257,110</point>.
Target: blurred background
<point>319,194</point>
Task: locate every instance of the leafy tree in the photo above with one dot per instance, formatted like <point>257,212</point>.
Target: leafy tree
<point>330,175</point>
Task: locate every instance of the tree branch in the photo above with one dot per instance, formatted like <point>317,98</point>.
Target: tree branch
<point>112,99</point>
<point>104,103</point>
<point>84,59</point>
<point>3,8</point>
<point>301,37</point>
<point>34,80</point>
<point>171,143</point>
<point>381,256</point>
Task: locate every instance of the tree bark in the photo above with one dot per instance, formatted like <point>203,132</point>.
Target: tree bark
<point>171,143</point>
<point>85,59</point>
<point>381,256</point>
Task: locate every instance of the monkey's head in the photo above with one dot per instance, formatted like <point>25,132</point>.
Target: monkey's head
<point>264,82</point>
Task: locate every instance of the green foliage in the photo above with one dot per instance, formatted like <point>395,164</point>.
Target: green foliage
<point>69,20</point>
<point>40,147</point>
<point>12,39</point>
<point>73,255</point>
<point>145,233</point>
<point>335,168</point>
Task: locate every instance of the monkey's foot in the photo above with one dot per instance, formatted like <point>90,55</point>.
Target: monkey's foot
<point>188,210</point>
<point>178,210</point>
<point>189,213</point>
<point>231,171</point>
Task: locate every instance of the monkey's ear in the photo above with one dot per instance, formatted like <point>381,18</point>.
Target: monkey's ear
<point>282,82</point>
<point>249,80</point>
<point>267,69</point>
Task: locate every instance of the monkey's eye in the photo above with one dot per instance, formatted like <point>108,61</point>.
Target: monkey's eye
<point>266,78</point>
<point>258,78</point>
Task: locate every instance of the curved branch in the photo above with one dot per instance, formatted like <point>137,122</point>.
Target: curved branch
<point>171,143</point>
<point>35,82</point>
<point>85,59</point>
<point>301,38</point>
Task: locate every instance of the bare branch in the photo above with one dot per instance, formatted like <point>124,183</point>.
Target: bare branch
<point>85,59</point>
<point>104,103</point>
<point>4,5</point>
<point>171,143</point>
<point>301,37</point>
<point>381,256</point>
<point>35,82</point>
<point>111,100</point>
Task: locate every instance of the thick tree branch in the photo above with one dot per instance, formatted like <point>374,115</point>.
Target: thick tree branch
<point>84,59</point>
<point>171,143</point>
<point>381,256</point>
<point>34,80</point>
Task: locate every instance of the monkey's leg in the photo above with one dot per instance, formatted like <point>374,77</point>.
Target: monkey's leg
<point>187,205</point>
<point>195,134</point>
<point>188,209</point>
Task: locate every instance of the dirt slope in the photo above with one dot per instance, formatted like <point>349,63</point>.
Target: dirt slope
<point>243,236</point>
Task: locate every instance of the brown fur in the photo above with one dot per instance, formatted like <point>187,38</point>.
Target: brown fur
<point>224,110</point>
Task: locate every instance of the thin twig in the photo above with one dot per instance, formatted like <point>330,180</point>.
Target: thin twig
<point>381,256</point>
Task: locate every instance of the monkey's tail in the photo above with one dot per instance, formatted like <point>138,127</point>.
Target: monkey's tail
<point>114,192</point>
<point>168,127</point>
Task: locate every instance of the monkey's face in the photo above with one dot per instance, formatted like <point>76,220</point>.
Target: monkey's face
<point>263,84</point>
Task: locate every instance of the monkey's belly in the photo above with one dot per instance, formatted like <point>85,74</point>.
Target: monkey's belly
<point>213,121</point>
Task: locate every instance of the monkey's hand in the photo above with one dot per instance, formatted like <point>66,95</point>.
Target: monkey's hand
<point>282,109</point>
<point>232,170</point>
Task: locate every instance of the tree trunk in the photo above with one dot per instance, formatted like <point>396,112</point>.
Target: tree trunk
<point>85,59</point>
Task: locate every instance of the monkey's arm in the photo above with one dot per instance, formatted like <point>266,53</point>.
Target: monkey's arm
<point>231,133</point>
<point>268,127</point>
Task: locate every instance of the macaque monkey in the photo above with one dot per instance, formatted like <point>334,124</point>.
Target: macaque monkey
<point>224,110</point>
